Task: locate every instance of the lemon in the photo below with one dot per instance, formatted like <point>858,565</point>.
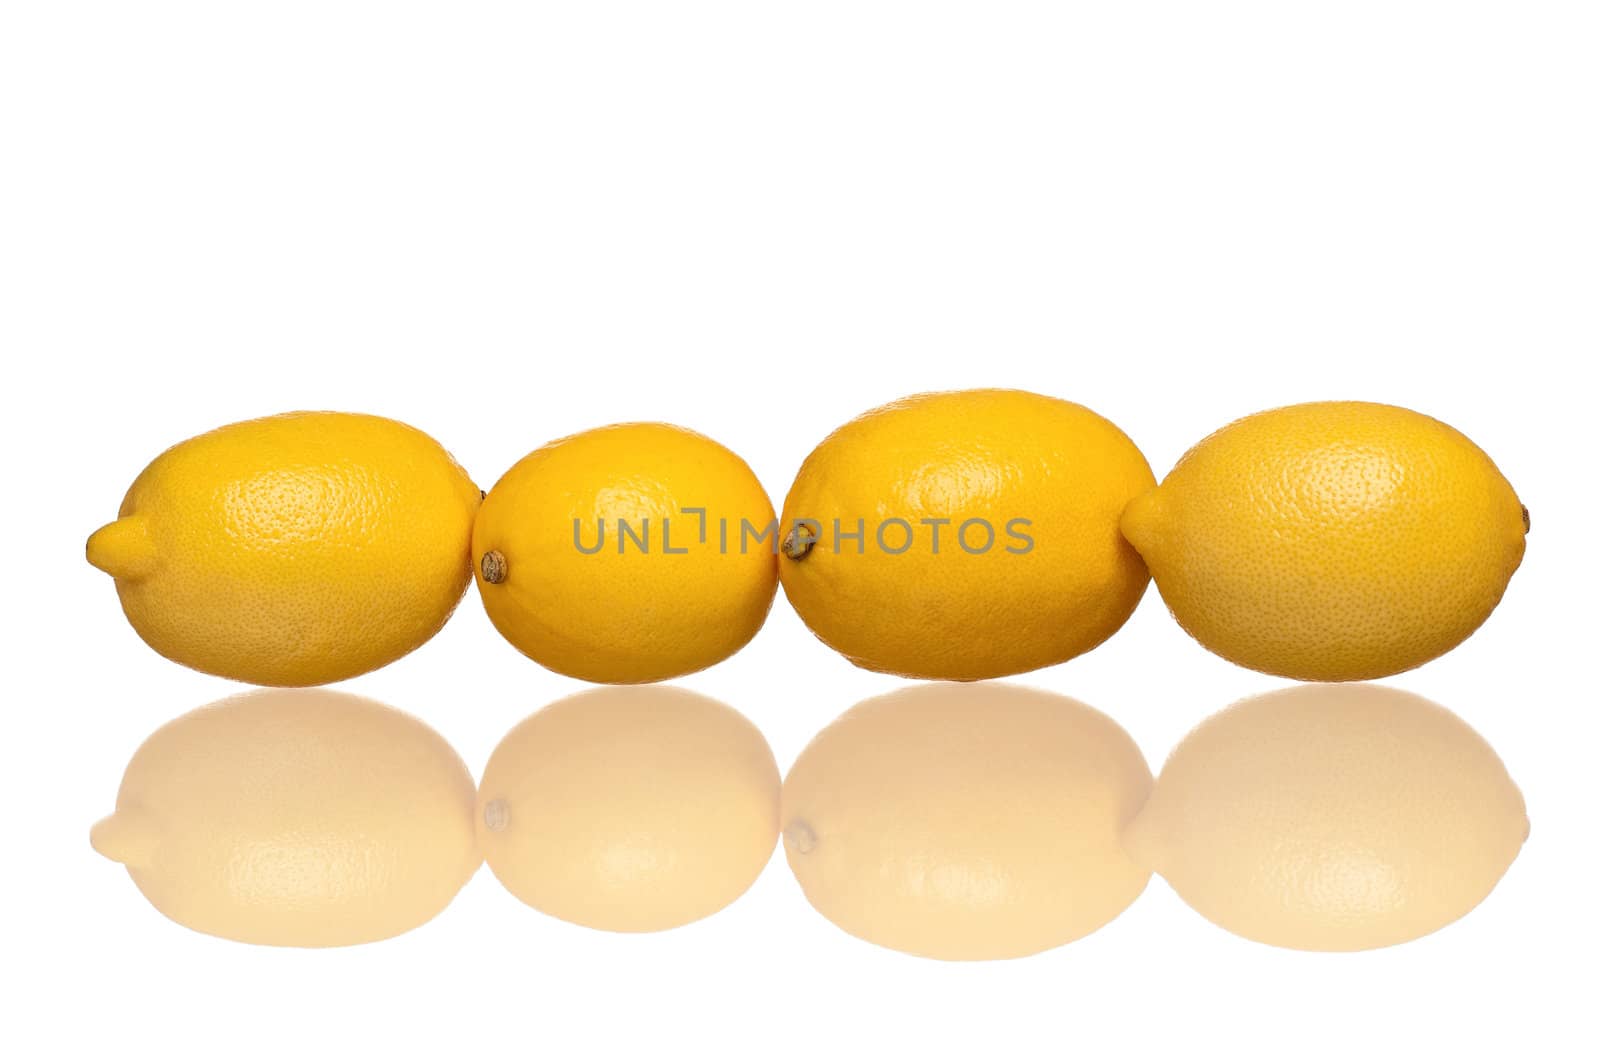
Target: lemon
<point>627,554</point>
<point>966,822</point>
<point>292,550</point>
<point>965,535</point>
<point>1332,817</point>
<point>1332,540</point>
<point>630,809</point>
<point>299,817</point>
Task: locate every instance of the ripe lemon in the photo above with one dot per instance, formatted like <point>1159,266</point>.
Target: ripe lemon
<point>966,822</point>
<point>627,554</point>
<point>633,809</point>
<point>299,817</point>
<point>1332,818</point>
<point>292,550</point>
<point>965,535</point>
<point>1331,541</point>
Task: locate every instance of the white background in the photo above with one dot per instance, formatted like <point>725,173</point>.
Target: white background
<point>503,223</point>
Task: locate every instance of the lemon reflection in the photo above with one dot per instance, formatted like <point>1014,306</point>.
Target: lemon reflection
<point>294,817</point>
<point>966,820</point>
<point>1332,817</point>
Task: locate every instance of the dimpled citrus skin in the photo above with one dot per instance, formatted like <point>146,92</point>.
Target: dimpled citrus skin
<point>303,817</point>
<point>630,808</point>
<point>995,455</point>
<point>635,616</point>
<point>966,822</point>
<point>292,550</point>
<point>1332,818</point>
<point>1332,540</point>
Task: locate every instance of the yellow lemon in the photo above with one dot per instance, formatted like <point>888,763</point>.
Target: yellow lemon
<point>294,818</point>
<point>1332,540</point>
<point>634,809</point>
<point>627,554</point>
<point>966,822</point>
<point>1332,818</point>
<point>965,535</point>
<point>292,550</point>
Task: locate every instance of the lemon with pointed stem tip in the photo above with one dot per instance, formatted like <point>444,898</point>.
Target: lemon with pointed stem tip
<point>294,817</point>
<point>292,550</point>
<point>1332,540</point>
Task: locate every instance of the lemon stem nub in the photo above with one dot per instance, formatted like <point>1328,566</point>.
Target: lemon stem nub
<point>497,815</point>
<point>800,836</point>
<point>126,836</point>
<point>123,549</point>
<point>493,567</point>
<point>798,543</point>
<point>1527,523</point>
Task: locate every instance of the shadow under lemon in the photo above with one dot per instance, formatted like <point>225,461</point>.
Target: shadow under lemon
<point>295,817</point>
<point>1332,817</point>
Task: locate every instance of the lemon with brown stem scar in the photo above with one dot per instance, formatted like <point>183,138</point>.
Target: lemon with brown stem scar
<point>627,554</point>
<point>965,534</point>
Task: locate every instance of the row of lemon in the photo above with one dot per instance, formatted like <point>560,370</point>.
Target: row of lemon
<point>955,535</point>
<point>957,821</point>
